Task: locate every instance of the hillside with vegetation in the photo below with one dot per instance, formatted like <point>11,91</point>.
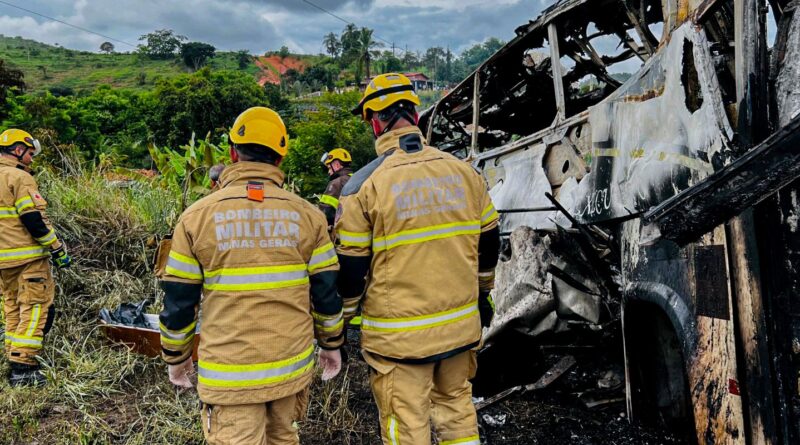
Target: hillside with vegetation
<point>350,57</point>
<point>66,71</point>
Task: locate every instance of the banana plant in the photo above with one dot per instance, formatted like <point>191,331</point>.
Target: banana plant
<point>187,168</point>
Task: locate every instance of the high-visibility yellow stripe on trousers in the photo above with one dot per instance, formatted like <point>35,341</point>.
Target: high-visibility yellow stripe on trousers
<point>471,440</point>
<point>23,341</point>
<point>22,253</point>
<point>256,278</point>
<point>252,375</point>
<point>391,431</point>
<point>424,234</point>
<point>419,322</point>
<point>36,312</point>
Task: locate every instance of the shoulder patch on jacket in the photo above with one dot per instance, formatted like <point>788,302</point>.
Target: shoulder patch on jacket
<point>360,177</point>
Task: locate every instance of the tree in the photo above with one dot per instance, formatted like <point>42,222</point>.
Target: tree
<point>477,54</point>
<point>244,58</point>
<point>332,45</point>
<point>107,47</point>
<point>349,44</point>
<point>199,103</point>
<point>284,52</point>
<point>196,54</point>
<point>433,60</point>
<point>319,75</point>
<point>161,44</point>
<point>327,124</point>
<point>447,72</point>
<point>290,76</point>
<point>9,78</point>
<point>389,63</point>
<point>410,60</point>
<point>366,50</point>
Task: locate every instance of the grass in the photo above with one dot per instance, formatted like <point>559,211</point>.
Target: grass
<point>84,71</point>
<point>99,394</point>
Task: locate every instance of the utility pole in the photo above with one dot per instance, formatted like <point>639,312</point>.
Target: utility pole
<point>392,48</point>
<point>435,63</point>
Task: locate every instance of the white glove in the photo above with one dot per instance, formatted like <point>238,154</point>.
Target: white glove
<point>181,375</point>
<point>331,362</point>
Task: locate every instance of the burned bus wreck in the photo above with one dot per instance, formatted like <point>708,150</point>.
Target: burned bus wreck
<point>663,201</point>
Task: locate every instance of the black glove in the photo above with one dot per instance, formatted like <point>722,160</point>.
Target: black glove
<point>486,308</point>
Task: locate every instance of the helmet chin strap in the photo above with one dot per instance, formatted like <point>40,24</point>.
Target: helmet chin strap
<point>396,116</point>
<point>19,157</point>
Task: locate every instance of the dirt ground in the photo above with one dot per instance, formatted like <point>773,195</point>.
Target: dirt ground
<point>344,413</point>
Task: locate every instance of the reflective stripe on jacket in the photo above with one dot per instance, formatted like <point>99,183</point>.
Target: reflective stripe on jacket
<point>329,201</point>
<point>19,195</point>
<point>417,215</point>
<point>267,269</point>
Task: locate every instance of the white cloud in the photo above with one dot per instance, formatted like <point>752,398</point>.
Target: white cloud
<point>260,25</point>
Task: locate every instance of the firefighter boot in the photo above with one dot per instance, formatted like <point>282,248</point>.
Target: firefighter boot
<point>26,375</point>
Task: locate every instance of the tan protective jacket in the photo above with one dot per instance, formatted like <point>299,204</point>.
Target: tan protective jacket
<point>418,213</point>
<point>261,254</point>
<point>19,195</point>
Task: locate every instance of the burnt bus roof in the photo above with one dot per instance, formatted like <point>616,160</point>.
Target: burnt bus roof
<point>517,95</point>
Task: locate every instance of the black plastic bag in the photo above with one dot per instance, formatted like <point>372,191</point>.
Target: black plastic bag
<point>127,314</point>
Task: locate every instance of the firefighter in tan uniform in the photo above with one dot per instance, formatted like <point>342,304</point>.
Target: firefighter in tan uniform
<point>420,224</point>
<point>27,241</point>
<point>337,161</point>
<point>263,261</point>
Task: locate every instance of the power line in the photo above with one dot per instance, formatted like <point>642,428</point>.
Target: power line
<point>347,22</point>
<point>68,24</point>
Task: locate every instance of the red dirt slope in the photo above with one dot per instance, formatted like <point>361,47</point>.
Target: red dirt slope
<point>273,67</point>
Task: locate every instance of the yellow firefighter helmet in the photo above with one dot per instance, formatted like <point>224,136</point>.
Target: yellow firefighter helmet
<point>386,90</point>
<point>339,154</point>
<point>262,126</point>
<point>13,136</point>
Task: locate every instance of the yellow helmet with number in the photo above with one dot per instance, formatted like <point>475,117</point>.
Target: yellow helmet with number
<point>262,126</point>
<point>339,154</point>
<point>386,90</point>
<point>13,136</point>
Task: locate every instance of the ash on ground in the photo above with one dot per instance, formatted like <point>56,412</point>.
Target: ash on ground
<point>343,411</point>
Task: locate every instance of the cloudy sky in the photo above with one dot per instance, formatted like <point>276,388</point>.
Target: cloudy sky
<point>261,25</point>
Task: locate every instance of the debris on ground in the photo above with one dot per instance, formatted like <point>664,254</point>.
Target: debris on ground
<point>494,421</point>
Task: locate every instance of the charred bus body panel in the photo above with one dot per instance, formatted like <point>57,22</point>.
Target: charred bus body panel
<point>662,201</point>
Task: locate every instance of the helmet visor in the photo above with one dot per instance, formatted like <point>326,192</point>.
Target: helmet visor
<point>325,157</point>
<point>34,143</point>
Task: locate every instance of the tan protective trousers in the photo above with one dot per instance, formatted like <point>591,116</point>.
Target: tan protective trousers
<point>28,293</point>
<point>270,423</point>
<point>409,397</point>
